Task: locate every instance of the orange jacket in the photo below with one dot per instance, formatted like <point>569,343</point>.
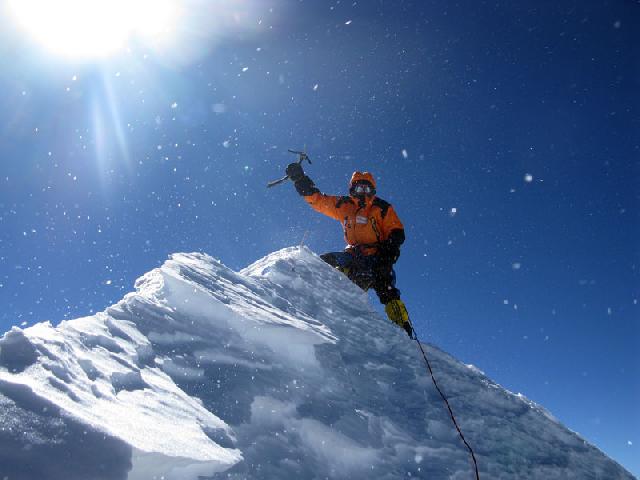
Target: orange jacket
<point>369,224</point>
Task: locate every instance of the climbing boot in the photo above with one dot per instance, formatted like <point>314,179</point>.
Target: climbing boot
<point>397,313</point>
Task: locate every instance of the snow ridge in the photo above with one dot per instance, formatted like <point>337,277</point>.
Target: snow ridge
<point>280,370</point>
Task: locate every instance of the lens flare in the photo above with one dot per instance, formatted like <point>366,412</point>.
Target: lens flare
<point>93,28</point>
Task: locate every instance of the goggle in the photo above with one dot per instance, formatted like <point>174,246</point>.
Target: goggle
<point>362,188</point>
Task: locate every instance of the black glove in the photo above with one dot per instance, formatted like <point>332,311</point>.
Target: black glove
<point>295,171</point>
<point>304,185</point>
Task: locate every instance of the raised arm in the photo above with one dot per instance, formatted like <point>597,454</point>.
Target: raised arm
<point>325,204</point>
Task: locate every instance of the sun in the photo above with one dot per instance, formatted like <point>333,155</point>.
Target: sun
<point>93,28</point>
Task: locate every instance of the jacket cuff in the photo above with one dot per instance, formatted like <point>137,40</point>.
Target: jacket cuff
<point>306,187</point>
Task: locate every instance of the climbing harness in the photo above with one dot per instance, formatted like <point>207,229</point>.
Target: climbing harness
<point>453,418</point>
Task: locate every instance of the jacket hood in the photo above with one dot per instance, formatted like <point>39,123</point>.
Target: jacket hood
<point>362,176</point>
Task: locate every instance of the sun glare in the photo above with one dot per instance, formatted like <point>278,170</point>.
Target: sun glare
<point>93,28</point>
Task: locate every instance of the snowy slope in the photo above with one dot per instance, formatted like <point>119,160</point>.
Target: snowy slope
<point>282,370</point>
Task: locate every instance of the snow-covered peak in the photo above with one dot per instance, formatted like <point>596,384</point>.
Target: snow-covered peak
<point>280,370</point>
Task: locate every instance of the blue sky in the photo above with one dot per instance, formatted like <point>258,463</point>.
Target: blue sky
<point>505,134</point>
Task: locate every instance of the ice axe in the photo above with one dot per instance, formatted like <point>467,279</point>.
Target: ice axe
<point>302,156</point>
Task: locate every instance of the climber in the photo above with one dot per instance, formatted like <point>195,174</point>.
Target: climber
<point>373,233</point>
